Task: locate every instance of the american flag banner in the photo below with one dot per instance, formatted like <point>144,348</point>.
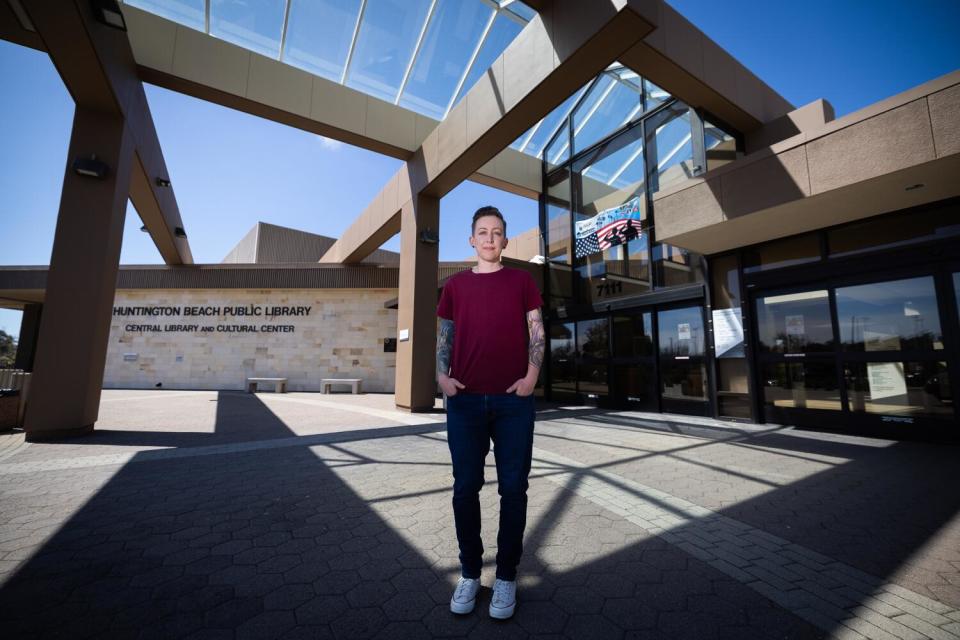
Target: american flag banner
<point>619,232</point>
<point>587,245</point>
<point>608,228</point>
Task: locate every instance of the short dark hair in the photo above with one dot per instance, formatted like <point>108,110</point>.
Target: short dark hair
<point>487,211</point>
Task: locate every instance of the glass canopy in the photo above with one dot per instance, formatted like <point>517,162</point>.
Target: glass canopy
<point>423,55</point>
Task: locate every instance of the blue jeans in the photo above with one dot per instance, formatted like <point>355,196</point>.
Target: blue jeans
<point>474,420</point>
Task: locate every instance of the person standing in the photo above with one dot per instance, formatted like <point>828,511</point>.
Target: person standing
<point>489,353</point>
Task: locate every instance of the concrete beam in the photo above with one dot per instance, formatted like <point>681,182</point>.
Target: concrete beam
<point>682,60</point>
<point>97,67</point>
<point>847,169</point>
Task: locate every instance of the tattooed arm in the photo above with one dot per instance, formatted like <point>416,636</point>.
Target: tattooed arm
<point>449,385</point>
<point>525,385</point>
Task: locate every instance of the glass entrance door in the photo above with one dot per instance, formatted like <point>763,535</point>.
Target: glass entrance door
<point>683,368</point>
<point>796,355</point>
<point>633,376</point>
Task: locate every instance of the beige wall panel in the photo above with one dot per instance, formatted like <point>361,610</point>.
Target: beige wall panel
<point>689,209</point>
<point>894,140</point>
<point>403,185</point>
<point>152,39</point>
<point>719,69</point>
<point>211,62</point>
<point>338,106</point>
<point>485,102</point>
<point>846,204</point>
<point>341,337</point>
<point>391,124</point>
<point>390,193</point>
<point>280,85</point>
<point>684,42</point>
<point>766,183</point>
<point>524,62</point>
<point>945,120</point>
<point>422,128</point>
<point>518,168</point>
<point>453,134</point>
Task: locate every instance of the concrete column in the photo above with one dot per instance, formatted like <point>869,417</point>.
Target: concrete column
<point>75,325</point>
<point>27,344</point>
<point>417,312</point>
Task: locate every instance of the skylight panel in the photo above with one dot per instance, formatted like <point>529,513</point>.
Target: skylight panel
<point>319,35</point>
<point>256,26</point>
<point>190,13</point>
<point>453,34</point>
<point>387,37</point>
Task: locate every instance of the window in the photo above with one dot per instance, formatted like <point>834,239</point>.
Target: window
<point>901,315</point>
<point>795,322</point>
<point>782,253</point>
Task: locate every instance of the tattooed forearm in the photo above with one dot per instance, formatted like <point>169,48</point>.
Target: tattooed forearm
<point>444,347</point>
<point>537,338</point>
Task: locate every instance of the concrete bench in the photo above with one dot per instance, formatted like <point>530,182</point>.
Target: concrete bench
<point>354,383</point>
<point>279,384</point>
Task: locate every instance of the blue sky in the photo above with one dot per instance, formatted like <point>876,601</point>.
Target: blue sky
<point>230,170</point>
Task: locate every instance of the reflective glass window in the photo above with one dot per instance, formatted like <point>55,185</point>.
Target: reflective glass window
<point>795,322</point>
<point>896,230</point>
<point>592,339</point>
<point>720,146</point>
<point>671,139</point>
<point>638,261</point>
<point>675,266</point>
<point>801,385</point>
<point>899,388</point>
<point>536,137</point>
<point>318,35</point>
<point>558,149</point>
<point>632,335</point>
<point>561,284</point>
<point>634,383</point>
<point>563,373</point>
<point>502,33</point>
<point>683,380</point>
<point>253,25</point>
<point>190,13</point>
<point>733,392</point>
<point>592,379</point>
<point>725,282</point>
<point>956,290</point>
<point>388,34</point>
<point>681,332</point>
<point>611,104</point>
<point>901,315</point>
<point>782,253</point>
<point>654,95</point>
<point>453,34</point>
<point>559,247</point>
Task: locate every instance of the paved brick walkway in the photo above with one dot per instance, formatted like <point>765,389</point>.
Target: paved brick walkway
<point>198,514</point>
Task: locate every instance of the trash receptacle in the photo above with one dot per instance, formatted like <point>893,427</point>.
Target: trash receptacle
<point>9,408</point>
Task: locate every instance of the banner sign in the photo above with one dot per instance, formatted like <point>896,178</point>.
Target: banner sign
<point>609,228</point>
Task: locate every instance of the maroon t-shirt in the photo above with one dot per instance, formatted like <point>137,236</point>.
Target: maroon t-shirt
<point>490,339</point>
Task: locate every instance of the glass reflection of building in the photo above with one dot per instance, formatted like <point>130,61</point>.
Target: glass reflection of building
<point>618,141</point>
<point>850,327</point>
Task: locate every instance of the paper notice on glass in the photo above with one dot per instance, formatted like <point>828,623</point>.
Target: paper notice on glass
<point>683,331</point>
<point>728,333</point>
<point>886,380</point>
<point>794,325</point>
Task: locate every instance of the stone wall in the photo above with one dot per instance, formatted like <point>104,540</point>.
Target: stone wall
<point>216,338</point>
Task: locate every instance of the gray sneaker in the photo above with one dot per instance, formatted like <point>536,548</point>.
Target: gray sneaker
<point>504,599</point>
<point>465,596</point>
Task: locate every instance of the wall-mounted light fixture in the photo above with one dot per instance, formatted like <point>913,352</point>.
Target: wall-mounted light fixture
<point>108,13</point>
<point>162,182</point>
<point>90,167</point>
<point>179,232</point>
<point>429,236</point>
